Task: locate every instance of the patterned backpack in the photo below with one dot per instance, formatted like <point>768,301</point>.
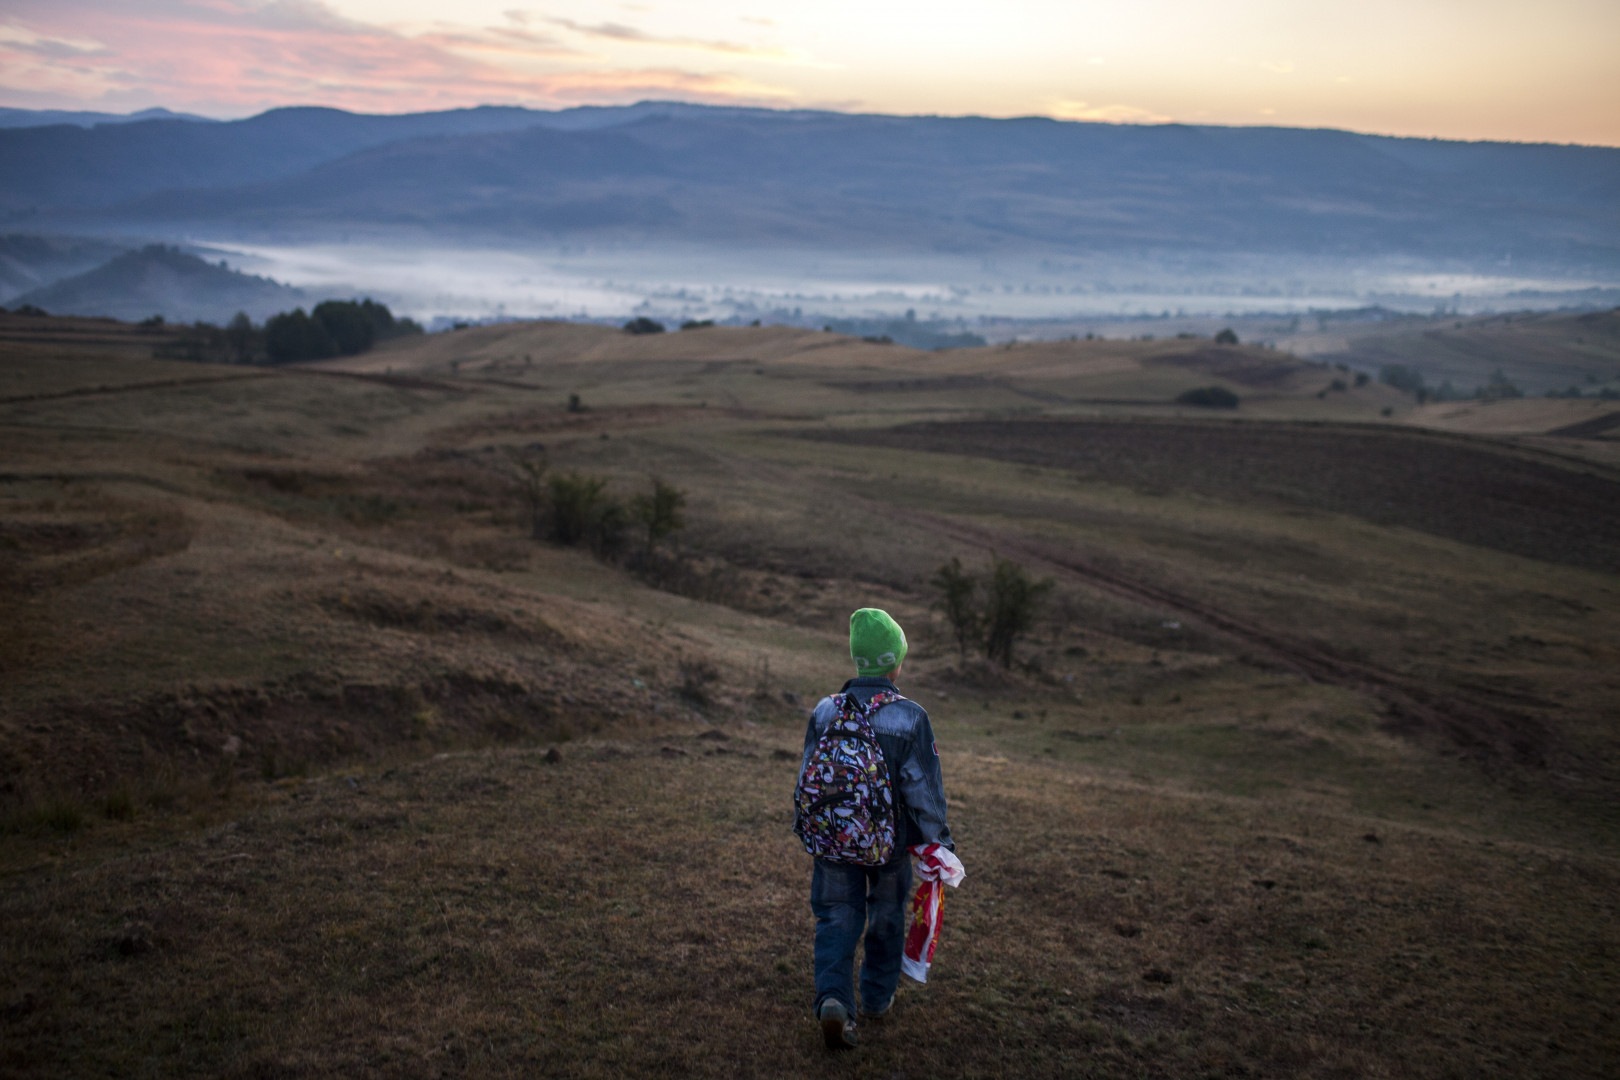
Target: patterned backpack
<point>844,806</point>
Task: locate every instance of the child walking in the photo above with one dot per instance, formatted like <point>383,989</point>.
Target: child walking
<point>867,886</point>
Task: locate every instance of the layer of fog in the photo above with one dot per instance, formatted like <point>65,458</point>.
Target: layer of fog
<point>438,284</point>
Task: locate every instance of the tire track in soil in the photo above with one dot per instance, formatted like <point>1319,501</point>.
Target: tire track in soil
<point>1479,728</point>
<point>130,388</point>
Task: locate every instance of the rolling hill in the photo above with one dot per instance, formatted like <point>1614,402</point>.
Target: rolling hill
<point>158,280</point>
<point>30,262</point>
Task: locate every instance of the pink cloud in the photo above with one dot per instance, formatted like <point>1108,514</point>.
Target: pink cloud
<point>619,32</point>
<point>231,57</point>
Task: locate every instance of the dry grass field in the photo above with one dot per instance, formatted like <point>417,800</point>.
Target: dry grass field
<point>313,762</point>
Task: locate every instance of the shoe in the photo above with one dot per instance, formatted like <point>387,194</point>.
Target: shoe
<point>836,1027</point>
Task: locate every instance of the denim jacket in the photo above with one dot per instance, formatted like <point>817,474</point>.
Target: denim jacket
<point>907,739</point>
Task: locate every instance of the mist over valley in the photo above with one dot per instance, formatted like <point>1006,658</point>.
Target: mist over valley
<point>693,212</point>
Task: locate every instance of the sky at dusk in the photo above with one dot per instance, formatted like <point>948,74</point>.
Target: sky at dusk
<point>1469,69</point>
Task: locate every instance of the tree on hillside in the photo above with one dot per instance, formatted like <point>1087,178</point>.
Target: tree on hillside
<point>659,513</point>
<point>293,336</point>
<point>1013,600</point>
<point>643,325</point>
<point>348,325</point>
<point>239,338</point>
<point>334,328</point>
<point>581,512</point>
<point>957,589</point>
<point>1226,337</point>
<point>529,465</point>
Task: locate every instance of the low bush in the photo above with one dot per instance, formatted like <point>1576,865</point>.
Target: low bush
<point>1208,397</point>
<point>659,513</point>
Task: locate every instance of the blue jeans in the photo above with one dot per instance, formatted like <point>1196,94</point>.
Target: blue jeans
<point>848,900</point>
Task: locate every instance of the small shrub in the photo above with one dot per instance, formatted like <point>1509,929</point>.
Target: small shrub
<point>1208,397</point>
<point>118,804</point>
<point>574,404</point>
<point>643,325</point>
<point>1361,378</point>
<point>1226,337</point>
<point>696,324</point>
<point>659,513</point>
<point>1337,384</point>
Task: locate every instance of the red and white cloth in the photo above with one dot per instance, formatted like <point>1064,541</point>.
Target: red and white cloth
<point>937,867</point>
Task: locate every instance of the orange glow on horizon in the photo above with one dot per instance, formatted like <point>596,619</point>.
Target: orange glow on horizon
<point>1489,69</point>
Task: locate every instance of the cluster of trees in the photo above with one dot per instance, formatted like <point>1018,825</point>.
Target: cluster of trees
<point>332,328</point>
<point>577,511</point>
<point>1410,380</point>
<point>989,611</point>
<point>643,325</point>
<point>237,342</point>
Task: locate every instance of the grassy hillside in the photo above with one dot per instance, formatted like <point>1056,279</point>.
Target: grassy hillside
<point>1539,351</point>
<point>313,761</point>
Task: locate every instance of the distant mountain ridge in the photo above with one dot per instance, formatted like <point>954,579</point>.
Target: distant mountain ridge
<point>26,118</point>
<point>756,178</point>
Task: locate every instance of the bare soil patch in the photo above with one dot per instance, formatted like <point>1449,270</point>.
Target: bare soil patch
<point>1589,429</point>
<point>1245,367</point>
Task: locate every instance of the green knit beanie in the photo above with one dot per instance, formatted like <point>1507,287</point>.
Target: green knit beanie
<point>876,642</point>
